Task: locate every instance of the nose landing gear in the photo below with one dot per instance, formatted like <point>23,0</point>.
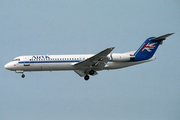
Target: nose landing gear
<point>23,76</point>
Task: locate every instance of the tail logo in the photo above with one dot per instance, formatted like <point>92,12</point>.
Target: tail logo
<point>148,47</point>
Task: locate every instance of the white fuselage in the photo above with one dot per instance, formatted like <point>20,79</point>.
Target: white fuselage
<point>61,62</point>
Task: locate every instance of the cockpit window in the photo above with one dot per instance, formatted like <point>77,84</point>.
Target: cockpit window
<point>16,59</point>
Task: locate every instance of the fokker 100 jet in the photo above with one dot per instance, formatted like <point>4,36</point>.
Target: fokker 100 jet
<point>87,64</point>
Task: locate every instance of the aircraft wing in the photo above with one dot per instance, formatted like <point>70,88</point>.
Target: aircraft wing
<point>96,62</point>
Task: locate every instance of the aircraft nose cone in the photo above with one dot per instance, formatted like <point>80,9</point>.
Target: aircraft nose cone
<point>7,66</point>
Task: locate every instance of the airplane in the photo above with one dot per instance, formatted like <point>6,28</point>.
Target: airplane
<point>87,64</point>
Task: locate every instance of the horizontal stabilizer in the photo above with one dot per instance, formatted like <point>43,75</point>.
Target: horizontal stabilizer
<point>161,37</point>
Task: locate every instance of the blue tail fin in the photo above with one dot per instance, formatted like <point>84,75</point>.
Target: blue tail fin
<point>149,47</point>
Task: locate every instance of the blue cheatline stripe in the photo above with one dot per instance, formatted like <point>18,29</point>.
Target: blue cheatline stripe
<point>47,61</point>
<point>51,61</point>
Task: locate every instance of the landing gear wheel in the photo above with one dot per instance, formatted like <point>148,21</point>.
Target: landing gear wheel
<point>23,76</point>
<point>86,77</point>
<point>91,72</point>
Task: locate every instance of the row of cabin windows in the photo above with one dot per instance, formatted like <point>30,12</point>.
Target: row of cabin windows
<point>57,59</point>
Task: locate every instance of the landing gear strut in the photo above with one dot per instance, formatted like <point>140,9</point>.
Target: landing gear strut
<point>23,76</point>
<point>86,77</point>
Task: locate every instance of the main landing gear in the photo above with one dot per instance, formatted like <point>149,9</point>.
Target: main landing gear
<point>86,77</point>
<point>91,72</point>
<point>23,76</point>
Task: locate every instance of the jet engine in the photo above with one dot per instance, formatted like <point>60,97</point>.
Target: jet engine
<point>121,57</point>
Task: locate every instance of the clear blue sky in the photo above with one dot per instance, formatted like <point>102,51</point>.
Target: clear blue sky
<point>149,91</point>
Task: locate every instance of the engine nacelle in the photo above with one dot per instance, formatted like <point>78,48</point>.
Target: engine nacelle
<point>121,57</point>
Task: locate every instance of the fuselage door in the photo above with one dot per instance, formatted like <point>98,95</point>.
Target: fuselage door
<point>26,61</point>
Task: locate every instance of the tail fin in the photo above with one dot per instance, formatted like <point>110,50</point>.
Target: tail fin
<point>149,47</point>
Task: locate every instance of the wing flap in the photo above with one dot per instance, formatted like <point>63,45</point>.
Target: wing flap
<point>80,73</point>
<point>83,73</point>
